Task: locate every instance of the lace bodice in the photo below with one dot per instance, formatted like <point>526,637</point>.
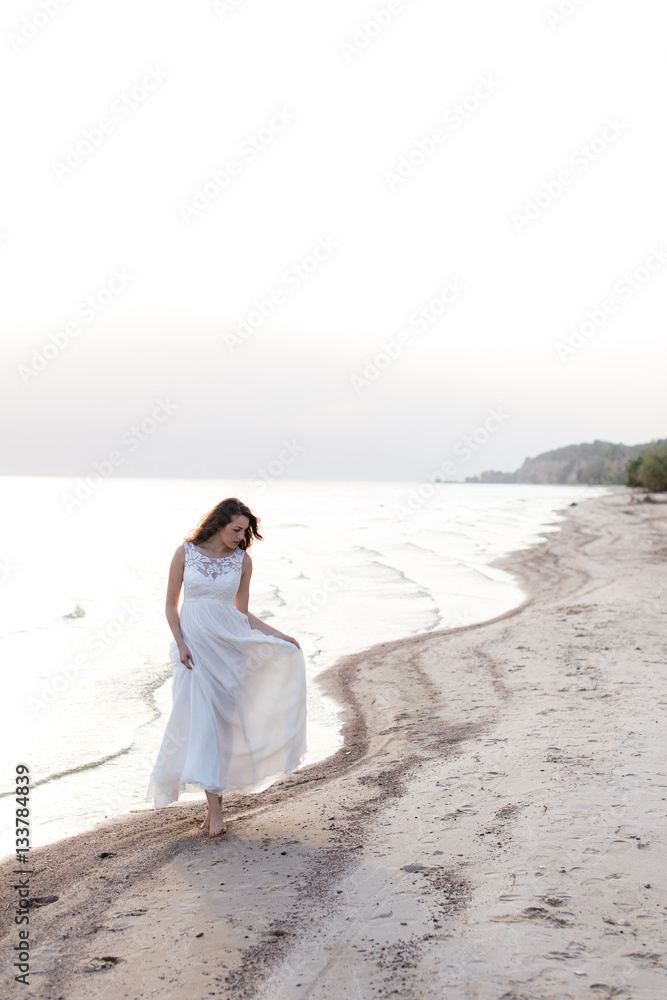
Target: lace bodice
<point>207,578</point>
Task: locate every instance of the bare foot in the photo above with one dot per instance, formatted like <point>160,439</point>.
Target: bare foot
<point>216,826</point>
<point>213,821</point>
<point>204,825</point>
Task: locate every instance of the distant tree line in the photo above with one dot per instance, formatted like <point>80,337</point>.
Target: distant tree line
<point>592,463</point>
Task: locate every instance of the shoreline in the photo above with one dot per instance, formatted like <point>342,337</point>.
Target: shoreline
<point>52,827</point>
<point>407,724</point>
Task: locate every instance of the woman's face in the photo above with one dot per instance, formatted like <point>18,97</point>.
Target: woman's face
<point>234,532</point>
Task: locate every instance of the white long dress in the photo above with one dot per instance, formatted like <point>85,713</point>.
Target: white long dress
<point>238,718</point>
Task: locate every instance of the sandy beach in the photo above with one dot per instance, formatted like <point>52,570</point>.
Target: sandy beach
<point>493,828</point>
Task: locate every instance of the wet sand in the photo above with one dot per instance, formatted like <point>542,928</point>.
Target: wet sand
<point>494,826</point>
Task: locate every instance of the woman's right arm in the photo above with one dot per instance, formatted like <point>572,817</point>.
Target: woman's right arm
<point>174,585</point>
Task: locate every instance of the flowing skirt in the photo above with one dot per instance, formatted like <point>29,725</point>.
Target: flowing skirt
<point>238,718</point>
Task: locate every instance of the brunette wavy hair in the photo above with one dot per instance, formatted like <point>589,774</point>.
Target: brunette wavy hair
<point>222,514</point>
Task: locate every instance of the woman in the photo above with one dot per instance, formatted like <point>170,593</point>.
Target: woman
<point>239,690</point>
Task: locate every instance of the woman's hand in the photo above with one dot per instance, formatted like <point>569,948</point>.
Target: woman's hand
<point>260,626</point>
<point>186,656</point>
<point>288,638</point>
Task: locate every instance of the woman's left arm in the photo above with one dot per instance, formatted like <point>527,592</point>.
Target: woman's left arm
<point>241,602</point>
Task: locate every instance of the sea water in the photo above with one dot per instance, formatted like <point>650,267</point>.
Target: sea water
<point>342,565</point>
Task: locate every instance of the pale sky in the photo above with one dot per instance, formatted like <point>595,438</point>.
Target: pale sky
<point>115,113</point>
